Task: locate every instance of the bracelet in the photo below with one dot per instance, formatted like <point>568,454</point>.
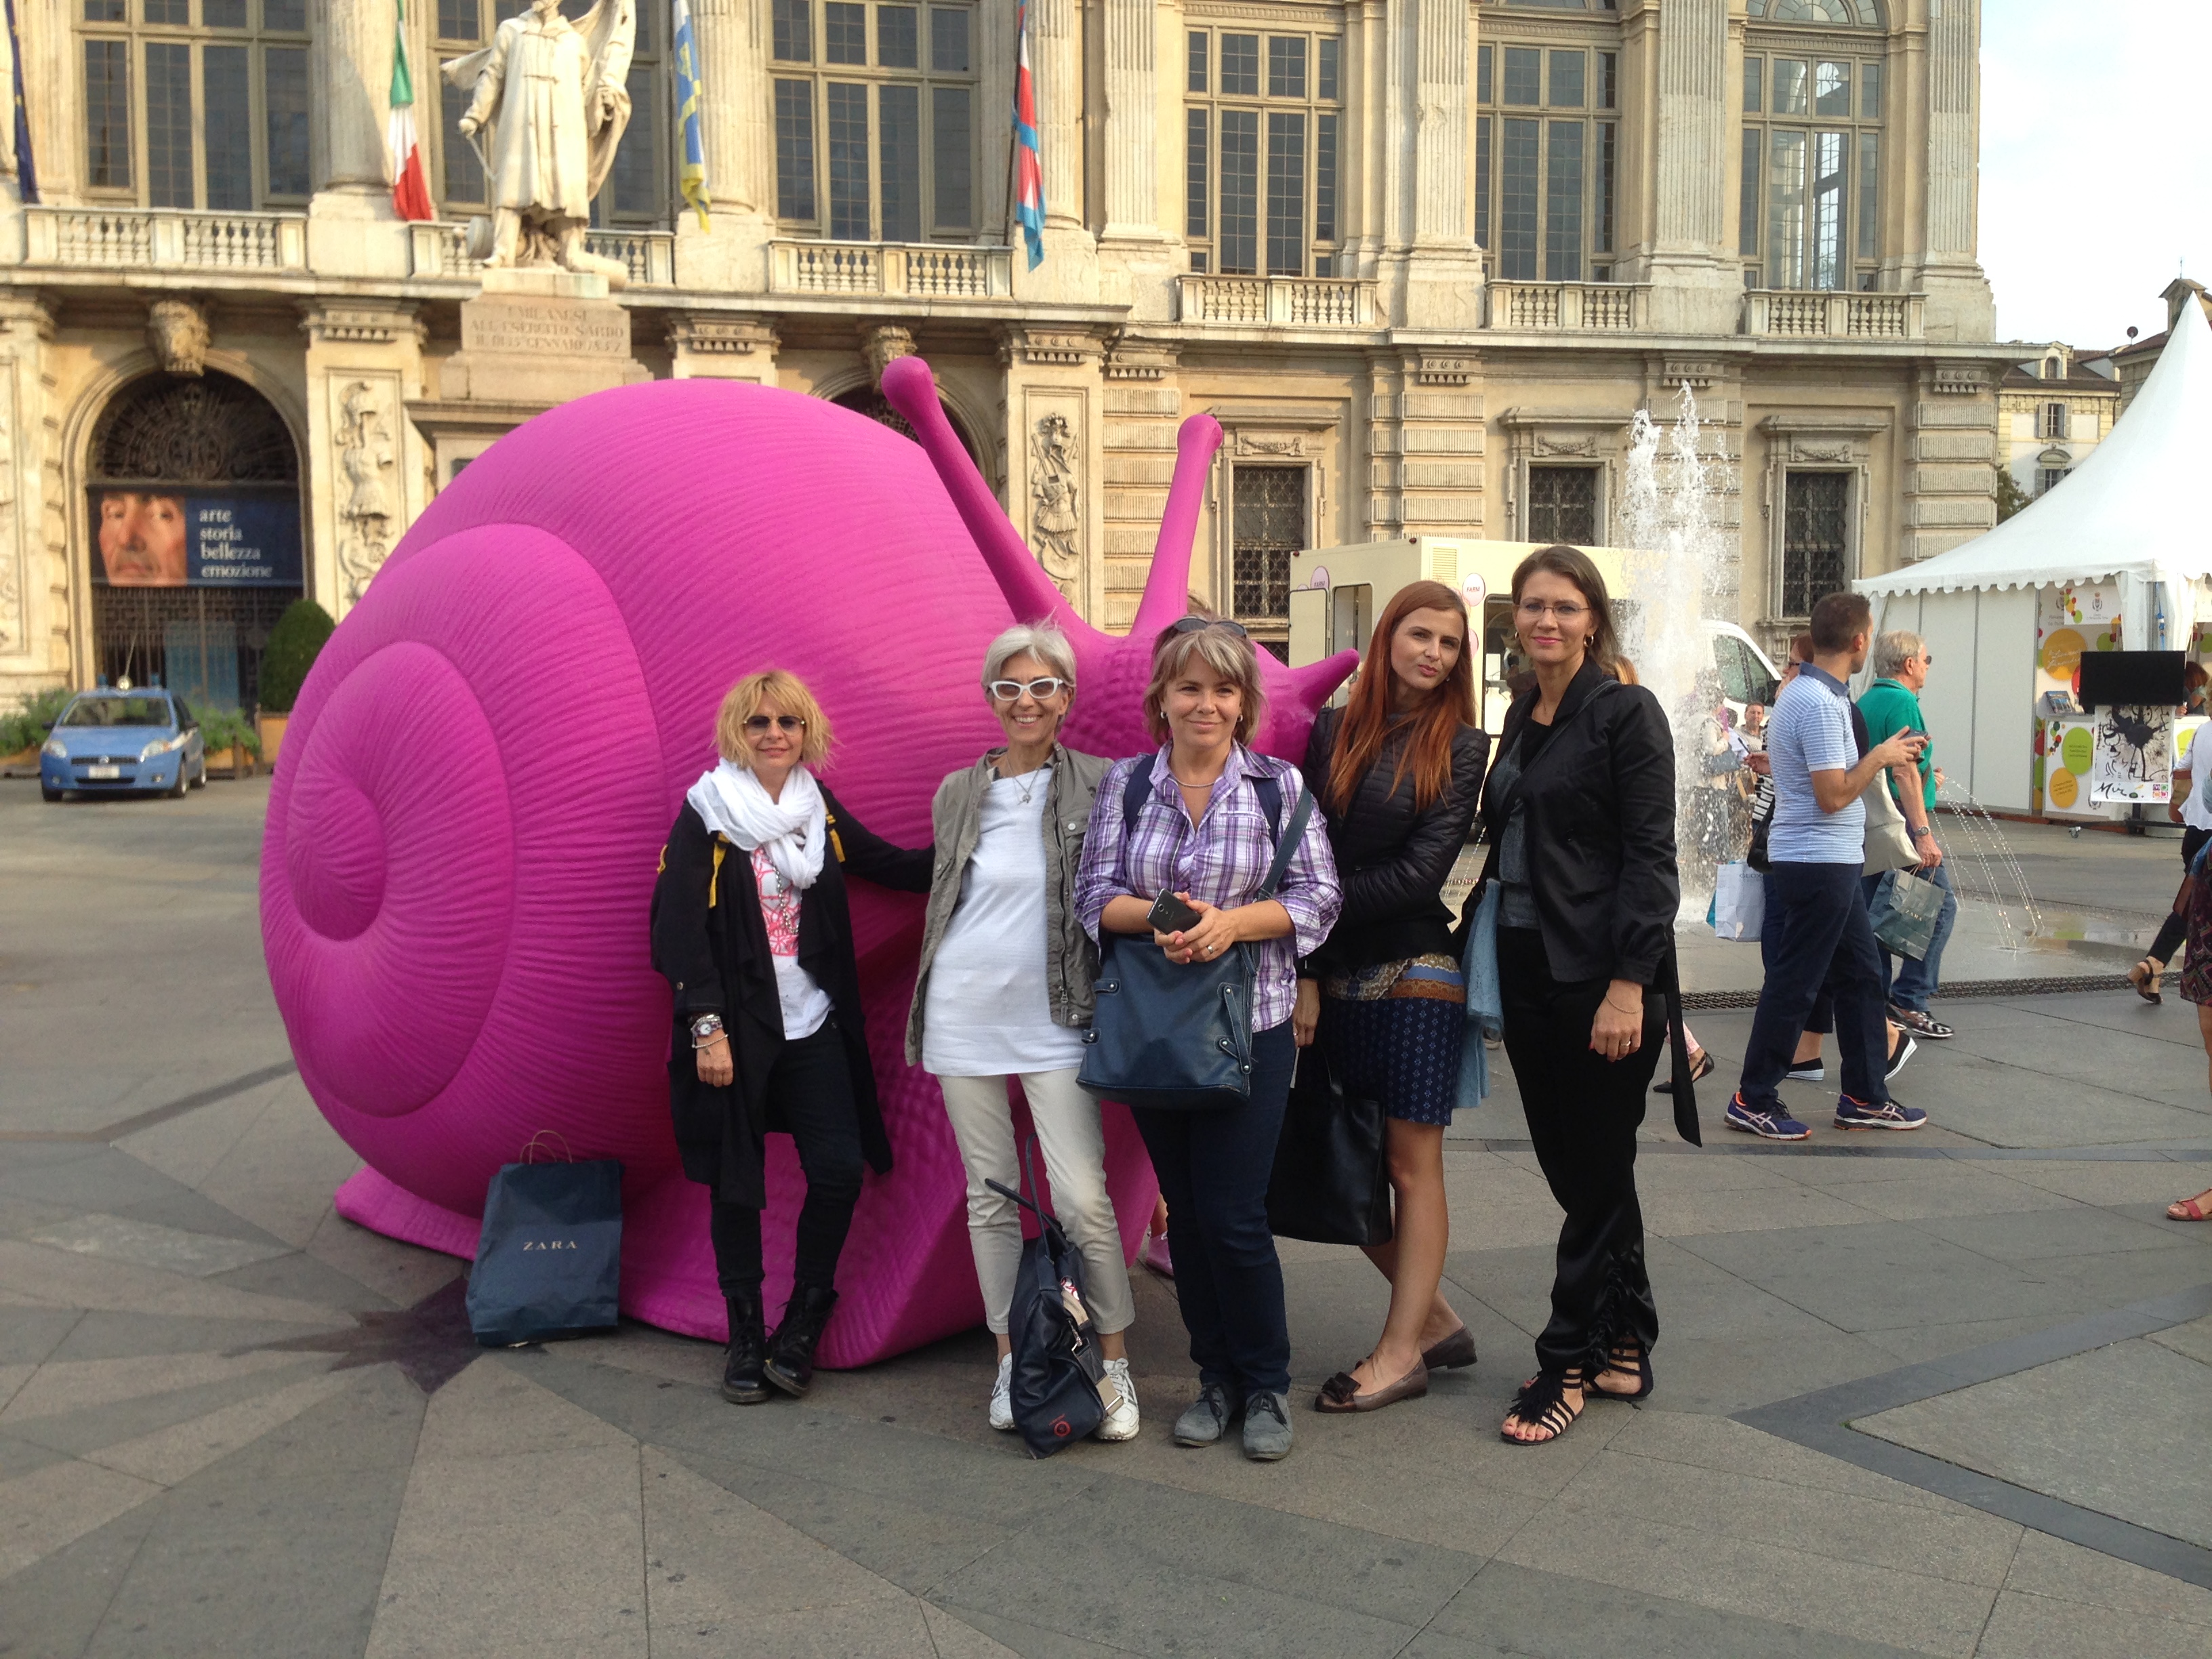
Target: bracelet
<point>708,1041</point>
<point>1618,1008</point>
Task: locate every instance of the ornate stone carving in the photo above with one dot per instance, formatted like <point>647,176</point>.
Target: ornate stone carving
<point>881,344</point>
<point>1056,515</point>
<point>740,337</point>
<point>344,324</point>
<point>1126,362</point>
<point>177,331</point>
<point>1585,445</point>
<point>1262,443</point>
<point>1697,371</point>
<point>1448,370</point>
<point>1958,380</point>
<point>365,514</point>
<point>1061,351</point>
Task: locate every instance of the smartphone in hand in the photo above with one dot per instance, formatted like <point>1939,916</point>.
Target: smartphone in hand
<point>1171,914</point>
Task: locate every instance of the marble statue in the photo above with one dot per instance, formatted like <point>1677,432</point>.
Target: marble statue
<point>547,111</point>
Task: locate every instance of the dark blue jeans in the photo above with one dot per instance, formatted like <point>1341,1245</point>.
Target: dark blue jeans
<point>1914,982</point>
<point>1819,939</point>
<point>1213,1169</point>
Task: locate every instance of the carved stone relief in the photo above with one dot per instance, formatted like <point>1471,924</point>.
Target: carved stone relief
<point>1055,502</point>
<point>177,333</point>
<point>14,635</point>
<point>881,344</point>
<point>367,446</point>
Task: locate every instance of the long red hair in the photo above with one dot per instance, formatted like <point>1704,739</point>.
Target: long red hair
<point>1426,752</point>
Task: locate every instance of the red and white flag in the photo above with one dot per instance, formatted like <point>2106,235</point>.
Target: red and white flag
<point>411,184</point>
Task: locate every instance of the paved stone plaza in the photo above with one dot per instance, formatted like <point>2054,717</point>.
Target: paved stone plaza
<point>1947,1394</point>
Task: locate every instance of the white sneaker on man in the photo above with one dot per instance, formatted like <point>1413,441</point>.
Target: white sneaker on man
<point>1002,1397</point>
<point>1120,1394</point>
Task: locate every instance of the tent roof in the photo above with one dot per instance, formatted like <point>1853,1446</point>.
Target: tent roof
<point>2140,504</point>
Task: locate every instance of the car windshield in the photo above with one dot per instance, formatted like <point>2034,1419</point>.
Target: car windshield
<point>118,711</point>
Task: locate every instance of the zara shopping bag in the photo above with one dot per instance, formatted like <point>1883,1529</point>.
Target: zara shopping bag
<point>1906,910</point>
<point>1332,1183</point>
<point>1739,903</point>
<point>1057,1364</point>
<point>549,1261</point>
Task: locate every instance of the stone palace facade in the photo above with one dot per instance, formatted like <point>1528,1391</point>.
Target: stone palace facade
<point>1423,258</point>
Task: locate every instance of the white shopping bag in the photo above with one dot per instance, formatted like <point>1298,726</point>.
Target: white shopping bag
<point>1739,901</point>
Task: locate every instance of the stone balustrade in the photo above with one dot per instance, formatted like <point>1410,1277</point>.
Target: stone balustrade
<point>1592,308</point>
<point>1278,301</point>
<point>441,249</point>
<point>1789,314</point>
<point>927,270</point>
<point>159,240</point>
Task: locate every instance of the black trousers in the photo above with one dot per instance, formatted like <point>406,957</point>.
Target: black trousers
<point>2176,926</point>
<point>810,1090</point>
<point>1584,1111</point>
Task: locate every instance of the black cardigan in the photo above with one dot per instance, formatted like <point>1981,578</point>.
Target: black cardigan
<point>711,945</point>
<point>1392,860</point>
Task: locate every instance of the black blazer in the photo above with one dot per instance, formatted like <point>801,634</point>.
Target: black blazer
<point>711,945</point>
<point>1600,831</point>
<point>1392,860</point>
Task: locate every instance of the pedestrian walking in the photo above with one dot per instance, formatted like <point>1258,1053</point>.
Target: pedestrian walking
<point>2194,815</point>
<point>1891,705</point>
<point>1199,829</point>
<point>2196,905</point>
<point>752,930</point>
<point>1817,936</point>
<point>1004,993</point>
<point>1579,810</point>
<point>1397,773</point>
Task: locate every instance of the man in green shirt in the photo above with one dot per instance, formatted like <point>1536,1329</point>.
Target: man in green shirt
<point>1890,705</point>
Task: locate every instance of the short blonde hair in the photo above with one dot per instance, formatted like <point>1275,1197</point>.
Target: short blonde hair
<point>790,694</point>
<point>1226,651</point>
<point>1040,639</point>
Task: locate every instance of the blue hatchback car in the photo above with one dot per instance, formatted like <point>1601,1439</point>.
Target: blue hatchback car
<point>141,742</point>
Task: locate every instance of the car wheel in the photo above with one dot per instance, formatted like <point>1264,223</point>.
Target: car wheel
<point>184,782</point>
<point>46,793</point>
<point>199,778</point>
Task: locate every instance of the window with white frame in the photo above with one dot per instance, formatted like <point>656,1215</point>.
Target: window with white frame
<point>637,192</point>
<point>1548,160</point>
<point>1263,123</point>
<point>2048,478</point>
<point>195,103</point>
<point>2054,420</point>
<point>874,113</point>
<point>1810,184</point>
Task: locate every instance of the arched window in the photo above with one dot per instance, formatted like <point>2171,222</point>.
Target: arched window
<point>2053,369</point>
<point>1851,13</point>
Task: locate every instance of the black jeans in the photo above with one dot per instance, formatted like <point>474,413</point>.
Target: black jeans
<point>1820,941</point>
<point>1582,1111</point>
<point>2176,926</point>
<point>810,1089</point>
<point>1213,1169</point>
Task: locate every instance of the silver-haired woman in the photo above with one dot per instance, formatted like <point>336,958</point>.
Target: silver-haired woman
<point>1004,992</point>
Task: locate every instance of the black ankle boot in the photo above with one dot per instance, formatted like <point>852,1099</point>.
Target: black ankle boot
<point>744,1383</point>
<point>791,1352</point>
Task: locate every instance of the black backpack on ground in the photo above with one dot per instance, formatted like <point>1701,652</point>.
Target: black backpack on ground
<point>1057,1365</point>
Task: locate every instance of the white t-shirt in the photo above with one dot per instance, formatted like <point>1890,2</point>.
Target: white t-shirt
<point>805,1005</point>
<point>2196,811</point>
<point>987,1012</point>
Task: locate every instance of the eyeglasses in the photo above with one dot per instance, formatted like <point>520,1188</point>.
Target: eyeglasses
<point>1199,624</point>
<point>757,723</point>
<point>1008,690</point>
<point>1566,611</point>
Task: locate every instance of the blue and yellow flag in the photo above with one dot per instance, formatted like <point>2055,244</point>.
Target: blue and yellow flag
<point>687,113</point>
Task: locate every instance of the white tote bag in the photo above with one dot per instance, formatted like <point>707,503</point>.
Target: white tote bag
<point>1739,901</point>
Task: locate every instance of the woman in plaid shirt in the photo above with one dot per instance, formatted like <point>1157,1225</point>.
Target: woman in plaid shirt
<point>1202,832</point>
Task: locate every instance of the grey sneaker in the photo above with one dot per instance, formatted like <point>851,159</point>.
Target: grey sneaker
<point>1266,1427</point>
<point>1208,1415</point>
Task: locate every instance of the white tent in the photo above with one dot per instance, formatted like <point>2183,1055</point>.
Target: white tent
<point>2138,512</point>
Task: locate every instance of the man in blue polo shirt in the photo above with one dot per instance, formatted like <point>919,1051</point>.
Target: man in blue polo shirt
<point>1820,934</point>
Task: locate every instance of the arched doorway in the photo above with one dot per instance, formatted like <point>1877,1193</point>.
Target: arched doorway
<point>870,401</point>
<point>194,510</point>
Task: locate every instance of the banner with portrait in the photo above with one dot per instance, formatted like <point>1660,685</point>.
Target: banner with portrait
<point>190,538</point>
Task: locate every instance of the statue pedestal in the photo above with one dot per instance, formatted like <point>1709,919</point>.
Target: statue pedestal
<point>532,339</point>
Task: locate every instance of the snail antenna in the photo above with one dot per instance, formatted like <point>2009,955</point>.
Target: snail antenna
<point>1167,584</point>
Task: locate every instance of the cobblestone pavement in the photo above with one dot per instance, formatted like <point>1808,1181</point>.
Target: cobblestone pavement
<point>1949,1396</point>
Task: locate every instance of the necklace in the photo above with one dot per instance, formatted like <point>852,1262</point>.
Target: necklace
<point>1030,788</point>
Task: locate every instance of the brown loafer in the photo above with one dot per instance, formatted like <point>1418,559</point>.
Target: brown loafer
<point>1451,1353</point>
<point>1341,1394</point>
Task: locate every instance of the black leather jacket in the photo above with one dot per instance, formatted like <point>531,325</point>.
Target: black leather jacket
<point>1392,860</point>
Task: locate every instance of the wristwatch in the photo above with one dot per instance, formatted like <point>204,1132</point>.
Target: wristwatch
<point>706,1028</point>
<point>1924,829</point>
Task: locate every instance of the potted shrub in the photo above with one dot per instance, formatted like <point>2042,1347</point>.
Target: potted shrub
<point>293,644</point>
<point>23,731</point>
<point>232,742</point>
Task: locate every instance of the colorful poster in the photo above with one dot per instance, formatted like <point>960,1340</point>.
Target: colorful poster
<point>185,538</point>
<point>2133,756</point>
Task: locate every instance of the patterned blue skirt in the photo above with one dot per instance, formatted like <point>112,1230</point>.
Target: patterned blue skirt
<point>1395,1033</point>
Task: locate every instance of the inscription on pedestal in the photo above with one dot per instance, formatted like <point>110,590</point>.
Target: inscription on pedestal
<point>545,327</point>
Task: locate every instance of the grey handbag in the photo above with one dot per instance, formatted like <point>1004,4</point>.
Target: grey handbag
<point>1906,910</point>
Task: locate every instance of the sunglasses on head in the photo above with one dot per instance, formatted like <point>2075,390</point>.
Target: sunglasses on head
<point>1199,624</point>
<point>759,723</point>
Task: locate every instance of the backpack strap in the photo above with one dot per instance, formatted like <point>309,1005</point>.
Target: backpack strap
<point>1266,785</point>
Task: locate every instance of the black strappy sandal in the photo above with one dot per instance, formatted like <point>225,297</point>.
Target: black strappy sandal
<point>1615,1360</point>
<point>2144,976</point>
<point>1542,1403</point>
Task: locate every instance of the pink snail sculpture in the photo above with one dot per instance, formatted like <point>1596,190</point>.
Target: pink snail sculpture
<point>462,839</point>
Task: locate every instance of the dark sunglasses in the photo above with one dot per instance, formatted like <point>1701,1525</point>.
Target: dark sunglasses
<point>784,722</point>
<point>1199,624</point>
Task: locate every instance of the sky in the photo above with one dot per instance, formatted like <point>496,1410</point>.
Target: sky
<point>2096,171</point>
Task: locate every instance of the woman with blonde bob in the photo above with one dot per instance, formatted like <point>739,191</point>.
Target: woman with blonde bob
<point>1201,819</point>
<point>1005,990</point>
<point>751,930</point>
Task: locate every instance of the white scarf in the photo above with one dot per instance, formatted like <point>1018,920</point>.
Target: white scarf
<point>794,829</point>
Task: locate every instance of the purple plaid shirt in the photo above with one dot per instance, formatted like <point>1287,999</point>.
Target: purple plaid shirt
<point>1223,861</point>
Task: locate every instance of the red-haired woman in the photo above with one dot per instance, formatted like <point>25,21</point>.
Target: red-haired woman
<point>1397,772</point>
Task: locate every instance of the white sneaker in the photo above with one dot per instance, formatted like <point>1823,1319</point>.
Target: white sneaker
<point>1002,1397</point>
<point>1121,1395</point>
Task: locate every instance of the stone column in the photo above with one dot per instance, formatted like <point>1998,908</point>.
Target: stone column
<point>1132,120</point>
<point>1695,285</point>
<point>735,99</point>
<point>353,229</point>
<point>1959,303</point>
<point>1442,281</point>
<point>1070,271</point>
<point>34,582</point>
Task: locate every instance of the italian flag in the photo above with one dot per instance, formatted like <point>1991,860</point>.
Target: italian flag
<point>411,186</point>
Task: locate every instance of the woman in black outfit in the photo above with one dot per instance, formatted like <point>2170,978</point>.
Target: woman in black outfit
<point>1397,772</point>
<point>751,930</point>
<point>1580,815</point>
